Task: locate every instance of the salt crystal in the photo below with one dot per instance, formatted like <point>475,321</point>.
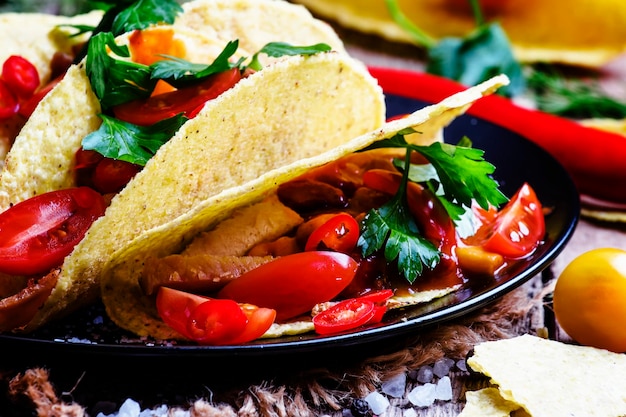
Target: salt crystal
<point>130,408</point>
<point>462,365</point>
<point>425,374</point>
<point>409,412</point>
<point>442,367</point>
<point>395,385</point>
<point>377,402</point>
<point>443,390</point>
<point>422,395</point>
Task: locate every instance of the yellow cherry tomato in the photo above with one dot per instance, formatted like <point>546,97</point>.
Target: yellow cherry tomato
<point>590,299</point>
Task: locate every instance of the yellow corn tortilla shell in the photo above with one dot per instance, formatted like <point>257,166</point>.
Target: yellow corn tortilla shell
<point>257,22</point>
<point>549,378</point>
<point>121,293</point>
<point>577,32</point>
<point>37,38</point>
<point>292,109</point>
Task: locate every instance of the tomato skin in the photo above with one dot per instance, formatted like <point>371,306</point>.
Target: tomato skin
<point>186,100</point>
<point>340,233</point>
<point>352,313</point>
<point>519,227</point>
<point>589,299</point>
<point>293,284</point>
<point>9,105</point>
<point>212,321</point>
<point>111,175</point>
<point>20,75</point>
<point>27,107</point>
<point>216,321</point>
<point>38,233</point>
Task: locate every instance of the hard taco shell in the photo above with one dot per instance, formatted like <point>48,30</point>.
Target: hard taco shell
<point>295,108</point>
<point>126,304</point>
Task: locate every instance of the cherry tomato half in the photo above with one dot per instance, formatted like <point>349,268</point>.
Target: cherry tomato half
<point>340,233</point>
<point>185,100</point>
<point>27,107</point>
<point>519,227</point>
<point>38,233</point>
<point>293,284</point>
<point>9,105</point>
<point>111,175</point>
<point>212,321</point>
<point>20,75</point>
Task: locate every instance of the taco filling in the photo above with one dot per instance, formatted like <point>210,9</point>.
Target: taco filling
<point>333,249</point>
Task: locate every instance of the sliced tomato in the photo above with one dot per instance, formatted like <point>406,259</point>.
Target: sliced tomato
<point>345,315</point>
<point>175,308</point>
<point>340,233</point>
<point>293,284</point>
<point>9,105</point>
<point>216,321</point>
<point>20,75</point>
<point>111,175</point>
<point>186,100</point>
<point>212,321</point>
<point>518,228</point>
<point>38,233</point>
<point>259,321</point>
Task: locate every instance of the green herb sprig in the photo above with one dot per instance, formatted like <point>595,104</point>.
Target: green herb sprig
<point>480,55</point>
<point>462,176</point>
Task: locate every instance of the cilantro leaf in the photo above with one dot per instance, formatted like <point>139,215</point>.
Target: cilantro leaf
<point>483,54</point>
<point>278,49</point>
<point>115,81</point>
<point>472,59</point>
<point>144,13</point>
<point>131,143</point>
<point>392,228</point>
<point>180,72</point>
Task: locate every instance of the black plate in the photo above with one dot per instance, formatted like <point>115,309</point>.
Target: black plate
<point>516,159</point>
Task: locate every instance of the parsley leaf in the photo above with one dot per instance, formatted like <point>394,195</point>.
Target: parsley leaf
<point>391,226</point>
<point>457,176</point>
<point>116,81</point>
<point>131,143</point>
<point>143,13</point>
<point>470,60</point>
<point>278,49</point>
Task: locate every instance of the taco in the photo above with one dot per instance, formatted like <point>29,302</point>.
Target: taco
<point>38,38</point>
<point>214,226</point>
<point>295,107</point>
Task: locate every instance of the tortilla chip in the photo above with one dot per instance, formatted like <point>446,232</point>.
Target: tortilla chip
<point>578,32</point>
<point>549,378</point>
<point>121,292</point>
<point>257,22</point>
<point>487,402</point>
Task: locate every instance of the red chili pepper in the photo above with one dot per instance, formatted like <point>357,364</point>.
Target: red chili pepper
<point>593,157</point>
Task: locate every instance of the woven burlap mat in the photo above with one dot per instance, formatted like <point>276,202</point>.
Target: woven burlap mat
<point>328,389</point>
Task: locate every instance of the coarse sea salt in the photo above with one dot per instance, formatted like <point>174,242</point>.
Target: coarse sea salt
<point>422,395</point>
<point>378,402</point>
<point>394,386</point>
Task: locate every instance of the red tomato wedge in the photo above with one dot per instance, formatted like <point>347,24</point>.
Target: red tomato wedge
<point>28,106</point>
<point>186,100</point>
<point>340,234</point>
<point>111,175</point>
<point>212,321</point>
<point>293,284</point>
<point>216,321</point>
<point>38,233</point>
<point>517,229</point>
<point>20,75</point>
